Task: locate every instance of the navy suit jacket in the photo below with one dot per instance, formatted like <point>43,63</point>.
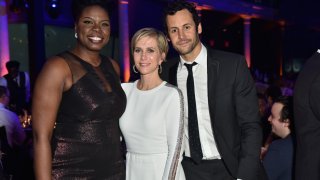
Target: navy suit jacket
<point>307,120</point>
<point>233,107</point>
<point>279,159</point>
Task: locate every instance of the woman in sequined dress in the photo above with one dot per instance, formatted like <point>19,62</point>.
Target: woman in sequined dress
<point>78,100</point>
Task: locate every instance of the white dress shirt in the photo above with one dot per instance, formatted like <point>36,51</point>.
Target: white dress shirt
<point>208,144</point>
<point>3,82</point>
<point>14,130</point>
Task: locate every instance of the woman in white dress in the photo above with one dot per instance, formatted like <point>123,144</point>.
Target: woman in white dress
<point>152,124</point>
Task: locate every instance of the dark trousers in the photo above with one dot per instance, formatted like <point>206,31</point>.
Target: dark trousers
<point>205,170</point>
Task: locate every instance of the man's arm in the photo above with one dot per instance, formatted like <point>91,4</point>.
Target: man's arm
<point>315,97</point>
<point>247,113</point>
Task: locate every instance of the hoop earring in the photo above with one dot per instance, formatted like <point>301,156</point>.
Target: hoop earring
<point>76,35</point>
<point>134,69</point>
<point>160,69</point>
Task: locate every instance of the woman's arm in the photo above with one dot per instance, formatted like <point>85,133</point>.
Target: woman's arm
<point>52,81</point>
<point>174,128</point>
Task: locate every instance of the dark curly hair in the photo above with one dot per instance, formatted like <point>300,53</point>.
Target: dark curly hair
<point>78,6</point>
<point>179,5</point>
<point>287,110</point>
<point>12,64</point>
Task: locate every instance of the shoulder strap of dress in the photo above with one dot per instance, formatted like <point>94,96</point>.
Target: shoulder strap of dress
<point>106,61</point>
<point>66,55</point>
<point>67,58</point>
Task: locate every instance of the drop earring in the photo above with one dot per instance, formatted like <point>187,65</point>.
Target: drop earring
<point>160,69</point>
<point>134,69</point>
<point>76,35</point>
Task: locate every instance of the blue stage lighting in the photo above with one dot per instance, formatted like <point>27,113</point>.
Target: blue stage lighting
<point>53,8</point>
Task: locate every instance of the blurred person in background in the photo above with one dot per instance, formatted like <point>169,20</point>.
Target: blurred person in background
<point>279,158</point>
<point>15,159</point>
<point>10,120</point>
<point>18,83</point>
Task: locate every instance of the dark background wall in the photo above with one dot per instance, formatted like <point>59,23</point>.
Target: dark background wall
<point>275,46</point>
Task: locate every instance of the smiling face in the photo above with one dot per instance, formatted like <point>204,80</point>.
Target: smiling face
<point>279,127</point>
<point>184,35</point>
<point>93,28</point>
<point>147,56</point>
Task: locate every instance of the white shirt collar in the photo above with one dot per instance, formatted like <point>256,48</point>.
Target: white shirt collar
<point>200,59</point>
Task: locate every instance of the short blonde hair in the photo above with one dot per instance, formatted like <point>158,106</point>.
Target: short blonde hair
<point>151,32</point>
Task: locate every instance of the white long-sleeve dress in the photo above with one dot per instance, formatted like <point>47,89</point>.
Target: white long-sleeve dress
<point>152,126</point>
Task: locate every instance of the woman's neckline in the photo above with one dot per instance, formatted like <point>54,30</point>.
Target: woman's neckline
<point>79,58</point>
<point>151,89</point>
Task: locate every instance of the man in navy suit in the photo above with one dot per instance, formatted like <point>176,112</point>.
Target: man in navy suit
<point>229,128</point>
<point>307,120</point>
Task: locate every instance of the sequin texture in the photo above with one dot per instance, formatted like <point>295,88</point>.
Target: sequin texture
<point>86,140</point>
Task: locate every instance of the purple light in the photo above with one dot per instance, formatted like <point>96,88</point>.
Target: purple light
<point>124,38</point>
<point>4,38</point>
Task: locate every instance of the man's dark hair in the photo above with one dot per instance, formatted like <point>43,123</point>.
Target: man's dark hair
<point>78,6</point>
<point>12,64</point>
<point>287,110</point>
<point>179,5</point>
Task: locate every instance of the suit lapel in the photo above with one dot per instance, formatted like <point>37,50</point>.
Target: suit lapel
<point>173,73</point>
<point>213,71</point>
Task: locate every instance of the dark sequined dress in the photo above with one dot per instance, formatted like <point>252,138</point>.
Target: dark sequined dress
<point>86,139</point>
